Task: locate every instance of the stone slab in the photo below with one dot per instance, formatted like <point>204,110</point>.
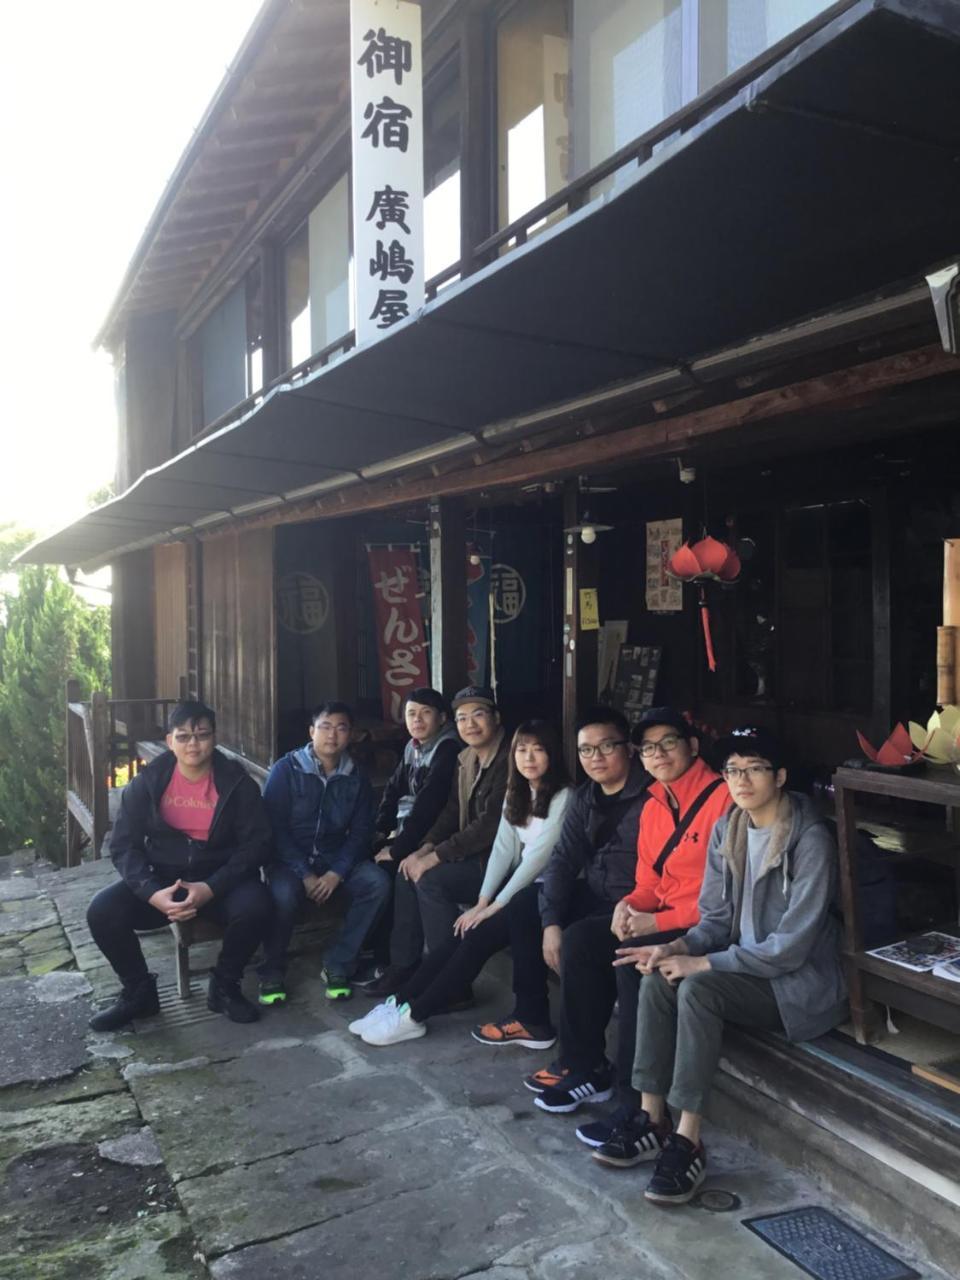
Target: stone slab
<point>48,939</point>
<point>11,964</point>
<point>49,961</point>
<point>264,1104</point>
<point>55,1125</point>
<point>177,1035</point>
<point>461,1225</point>
<point>138,1149</point>
<point>39,1041</point>
<point>88,1083</point>
<point>157,1248</point>
<point>304,1188</point>
<point>18,888</point>
<point>26,916</point>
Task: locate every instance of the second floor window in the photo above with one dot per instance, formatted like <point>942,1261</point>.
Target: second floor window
<point>317,268</point>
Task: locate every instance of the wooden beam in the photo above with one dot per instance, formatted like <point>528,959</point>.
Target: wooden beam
<point>272,317</point>
<point>477,200</point>
<point>650,439</point>
<point>448,596</point>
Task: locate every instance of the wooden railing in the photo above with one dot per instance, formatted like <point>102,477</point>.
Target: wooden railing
<point>101,753</point>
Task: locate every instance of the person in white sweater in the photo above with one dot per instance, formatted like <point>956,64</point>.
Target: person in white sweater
<point>505,913</point>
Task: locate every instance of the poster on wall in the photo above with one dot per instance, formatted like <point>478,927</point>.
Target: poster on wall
<point>635,688</point>
<point>664,594</point>
<point>401,649</point>
<point>387,130</point>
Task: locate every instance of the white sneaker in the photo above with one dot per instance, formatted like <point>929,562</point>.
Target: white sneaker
<point>359,1025</point>
<point>394,1026</point>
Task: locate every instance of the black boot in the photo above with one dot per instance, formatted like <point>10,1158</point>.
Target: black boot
<point>226,997</point>
<point>137,999</point>
<point>390,981</point>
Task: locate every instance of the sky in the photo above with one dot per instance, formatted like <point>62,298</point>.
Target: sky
<point>99,99</point>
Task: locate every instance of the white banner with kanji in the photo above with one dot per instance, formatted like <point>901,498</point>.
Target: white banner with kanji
<point>387,122</point>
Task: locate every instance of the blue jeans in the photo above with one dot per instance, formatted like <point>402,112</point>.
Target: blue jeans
<point>366,888</point>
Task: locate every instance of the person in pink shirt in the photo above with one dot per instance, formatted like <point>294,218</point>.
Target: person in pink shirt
<point>190,839</point>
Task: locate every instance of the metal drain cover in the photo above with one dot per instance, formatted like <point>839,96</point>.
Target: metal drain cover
<point>176,1012</point>
<point>826,1248</point>
<point>715,1201</point>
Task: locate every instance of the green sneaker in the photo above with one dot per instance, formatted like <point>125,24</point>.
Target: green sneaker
<point>338,986</point>
<point>272,993</point>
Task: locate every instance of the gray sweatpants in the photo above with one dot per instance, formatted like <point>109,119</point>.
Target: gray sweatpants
<point>680,1031</point>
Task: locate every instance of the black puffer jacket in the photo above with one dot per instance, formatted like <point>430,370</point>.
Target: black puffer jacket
<point>151,855</point>
<point>609,866</point>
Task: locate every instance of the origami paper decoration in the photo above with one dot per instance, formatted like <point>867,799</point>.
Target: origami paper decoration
<point>697,562</point>
<point>940,740</point>
<point>897,750</point>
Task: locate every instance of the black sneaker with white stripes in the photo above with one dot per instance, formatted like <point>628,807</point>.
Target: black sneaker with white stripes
<point>597,1086</point>
<point>594,1133</point>
<point>636,1140</point>
<point>679,1170</point>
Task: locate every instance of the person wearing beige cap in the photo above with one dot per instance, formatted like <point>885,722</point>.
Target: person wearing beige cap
<point>449,867</point>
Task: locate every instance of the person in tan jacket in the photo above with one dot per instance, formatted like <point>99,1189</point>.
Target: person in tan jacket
<point>448,868</point>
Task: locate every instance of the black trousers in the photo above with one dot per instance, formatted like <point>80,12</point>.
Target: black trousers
<point>447,972</point>
<point>590,986</point>
<point>116,914</point>
<point>424,912</point>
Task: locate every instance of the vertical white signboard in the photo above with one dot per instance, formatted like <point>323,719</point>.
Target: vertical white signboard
<point>386,87</point>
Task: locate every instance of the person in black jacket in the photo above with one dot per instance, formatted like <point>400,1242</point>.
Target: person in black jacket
<point>591,869</point>
<point>190,839</point>
<point>413,799</point>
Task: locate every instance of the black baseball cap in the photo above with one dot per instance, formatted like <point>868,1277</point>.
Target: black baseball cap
<point>476,693</point>
<point>669,716</point>
<point>751,740</point>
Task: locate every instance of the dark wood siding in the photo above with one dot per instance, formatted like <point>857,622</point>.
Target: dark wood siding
<point>239,668</point>
<point>170,617</point>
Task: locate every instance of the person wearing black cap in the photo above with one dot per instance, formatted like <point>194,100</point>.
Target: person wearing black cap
<point>448,867</point>
<point>684,800</point>
<point>765,954</point>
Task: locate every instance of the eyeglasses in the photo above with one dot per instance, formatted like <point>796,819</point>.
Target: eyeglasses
<point>587,750</point>
<point>731,772</point>
<point>469,716</point>
<point>648,749</point>
<point>201,735</point>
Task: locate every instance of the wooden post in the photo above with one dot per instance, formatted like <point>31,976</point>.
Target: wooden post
<point>863,1012</point>
<point>100,764</point>
<point>73,829</point>
<point>448,596</point>
<point>948,647</point>
<point>579,647</point>
<point>477,134</point>
<point>272,335</point>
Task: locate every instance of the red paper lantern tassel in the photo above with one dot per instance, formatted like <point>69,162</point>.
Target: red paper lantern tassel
<point>707,637</point>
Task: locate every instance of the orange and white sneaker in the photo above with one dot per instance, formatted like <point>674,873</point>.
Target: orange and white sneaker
<point>510,1031</point>
<point>547,1077</point>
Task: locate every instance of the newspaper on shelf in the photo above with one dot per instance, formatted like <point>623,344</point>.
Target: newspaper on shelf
<point>921,954</point>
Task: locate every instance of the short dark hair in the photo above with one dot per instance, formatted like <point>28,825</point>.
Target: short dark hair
<point>190,712</point>
<point>331,708</point>
<point>604,715</point>
<point>428,698</point>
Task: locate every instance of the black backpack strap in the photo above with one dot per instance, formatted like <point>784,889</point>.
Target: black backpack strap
<point>683,825</point>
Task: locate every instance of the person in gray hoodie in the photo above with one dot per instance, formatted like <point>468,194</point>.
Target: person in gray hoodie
<point>765,954</point>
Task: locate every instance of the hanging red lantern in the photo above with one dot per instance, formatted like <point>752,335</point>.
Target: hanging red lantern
<point>707,559</point>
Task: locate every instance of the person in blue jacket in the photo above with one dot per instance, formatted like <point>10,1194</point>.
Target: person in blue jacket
<point>321,807</point>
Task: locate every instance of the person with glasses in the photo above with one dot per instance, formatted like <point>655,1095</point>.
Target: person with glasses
<point>765,954</point>
<point>449,866</point>
<point>190,839</point>
<point>590,871</point>
<point>321,807</point>
<point>684,800</point>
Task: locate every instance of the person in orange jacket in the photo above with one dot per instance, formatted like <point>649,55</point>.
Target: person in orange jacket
<point>685,799</point>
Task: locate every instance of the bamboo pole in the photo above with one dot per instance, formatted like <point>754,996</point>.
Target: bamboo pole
<point>948,636</point>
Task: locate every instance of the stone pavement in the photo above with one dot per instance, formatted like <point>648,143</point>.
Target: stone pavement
<point>289,1150</point>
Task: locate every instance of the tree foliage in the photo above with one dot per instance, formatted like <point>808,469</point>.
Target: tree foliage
<point>47,634</point>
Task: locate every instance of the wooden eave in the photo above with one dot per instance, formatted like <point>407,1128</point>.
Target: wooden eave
<point>286,86</point>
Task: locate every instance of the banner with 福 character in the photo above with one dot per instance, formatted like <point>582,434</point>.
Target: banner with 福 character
<point>386,85</point>
<point>401,649</point>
